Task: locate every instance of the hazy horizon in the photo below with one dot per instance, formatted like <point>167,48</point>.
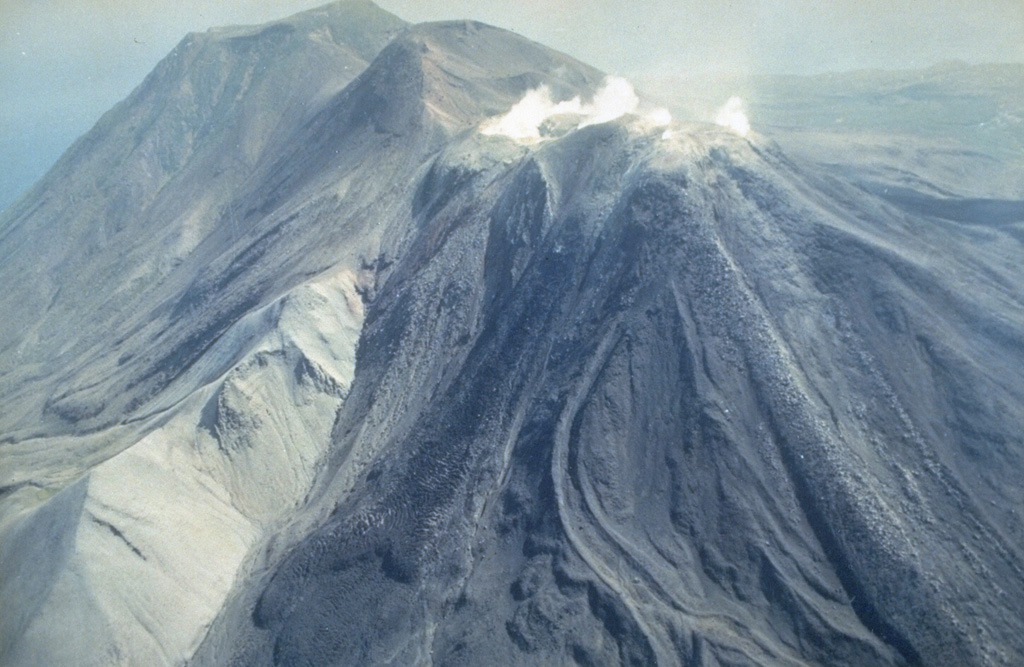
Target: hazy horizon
<point>64,63</point>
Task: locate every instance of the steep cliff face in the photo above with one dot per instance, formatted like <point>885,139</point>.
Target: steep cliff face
<point>621,392</point>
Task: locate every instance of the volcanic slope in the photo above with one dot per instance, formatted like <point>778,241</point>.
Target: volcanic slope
<point>168,387</point>
<point>634,395</point>
<point>622,394</point>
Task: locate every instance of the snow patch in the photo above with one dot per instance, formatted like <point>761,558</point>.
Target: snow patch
<point>526,120</point>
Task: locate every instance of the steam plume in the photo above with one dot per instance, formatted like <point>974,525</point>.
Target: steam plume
<point>615,98</point>
<point>733,116</point>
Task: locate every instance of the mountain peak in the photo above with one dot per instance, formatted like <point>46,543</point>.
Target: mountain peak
<point>360,25</point>
<point>461,72</point>
<point>318,350</point>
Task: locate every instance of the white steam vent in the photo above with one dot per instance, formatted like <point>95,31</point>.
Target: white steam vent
<point>734,116</point>
<point>615,98</point>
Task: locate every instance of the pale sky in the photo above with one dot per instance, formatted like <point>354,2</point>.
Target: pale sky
<point>64,62</point>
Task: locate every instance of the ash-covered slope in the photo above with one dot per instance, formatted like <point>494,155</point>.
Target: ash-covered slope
<point>635,396</point>
<point>152,430</point>
<point>164,416</point>
<point>641,398</point>
<point>145,200</point>
<point>622,394</point>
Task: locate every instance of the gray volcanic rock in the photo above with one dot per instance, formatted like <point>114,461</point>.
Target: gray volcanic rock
<point>620,394</point>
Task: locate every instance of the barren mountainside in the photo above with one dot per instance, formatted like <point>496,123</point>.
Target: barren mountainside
<point>311,359</point>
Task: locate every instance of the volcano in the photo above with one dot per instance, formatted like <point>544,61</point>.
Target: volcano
<point>308,359</point>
